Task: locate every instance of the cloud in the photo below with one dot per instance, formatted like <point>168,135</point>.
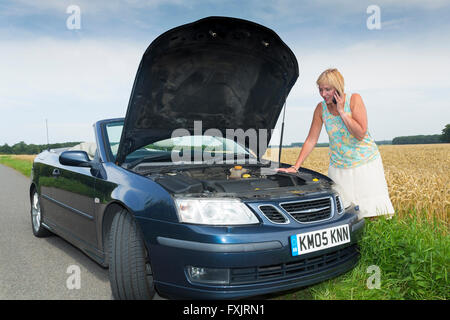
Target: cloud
<point>415,4</point>
<point>379,65</point>
<point>65,81</point>
<point>21,7</point>
<point>397,80</point>
<point>76,78</point>
<point>86,68</point>
<point>86,80</point>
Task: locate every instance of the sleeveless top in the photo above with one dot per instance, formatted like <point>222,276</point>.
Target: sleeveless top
<point>345,150</point>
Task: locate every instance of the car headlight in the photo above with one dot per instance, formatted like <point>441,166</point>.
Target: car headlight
<point>214,212</point>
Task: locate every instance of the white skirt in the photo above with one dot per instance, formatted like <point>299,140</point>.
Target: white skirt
<point>364,186</point>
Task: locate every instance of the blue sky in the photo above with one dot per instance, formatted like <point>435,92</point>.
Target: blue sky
<point>76,77</point>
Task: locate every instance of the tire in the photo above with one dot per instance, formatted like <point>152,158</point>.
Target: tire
<point>36,217</point>
<point>130,273</point>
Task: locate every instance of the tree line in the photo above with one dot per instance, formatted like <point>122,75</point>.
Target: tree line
<point>420,139</point>
<point>424,139</point>
<point>23,148</point>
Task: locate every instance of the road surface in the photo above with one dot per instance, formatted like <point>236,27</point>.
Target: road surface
<point>40,268</point>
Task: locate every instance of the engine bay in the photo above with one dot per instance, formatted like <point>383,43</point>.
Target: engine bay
<point>233,180</point>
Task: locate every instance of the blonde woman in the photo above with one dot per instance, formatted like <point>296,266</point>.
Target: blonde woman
<point>355,162</point>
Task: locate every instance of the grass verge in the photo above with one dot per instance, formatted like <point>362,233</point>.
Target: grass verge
<point>22,165</point>
<point>410,254</point>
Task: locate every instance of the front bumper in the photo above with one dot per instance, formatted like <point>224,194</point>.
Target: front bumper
<point>259,258</point>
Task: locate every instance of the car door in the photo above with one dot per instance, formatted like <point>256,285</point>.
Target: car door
<point>75,194</point>
<point>44,168</point>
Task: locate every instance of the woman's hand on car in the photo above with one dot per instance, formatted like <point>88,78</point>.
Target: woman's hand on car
<point>291,169</point>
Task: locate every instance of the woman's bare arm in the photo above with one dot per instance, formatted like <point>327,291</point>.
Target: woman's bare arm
<point>311,139</point>
<point>356,123</point>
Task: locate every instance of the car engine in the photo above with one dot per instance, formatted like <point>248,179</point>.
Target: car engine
<point>236,181</point>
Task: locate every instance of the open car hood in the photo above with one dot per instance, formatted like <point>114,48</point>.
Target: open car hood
<point>227,73</point>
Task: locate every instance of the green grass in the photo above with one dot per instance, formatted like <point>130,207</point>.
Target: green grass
<point>23,166</point>
<point>412,254</point>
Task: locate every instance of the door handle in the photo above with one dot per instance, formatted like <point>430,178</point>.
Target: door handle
<point>56,173</point>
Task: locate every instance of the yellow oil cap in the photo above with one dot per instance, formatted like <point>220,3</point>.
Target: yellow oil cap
<point>246,175</point>
<point>315,179</point>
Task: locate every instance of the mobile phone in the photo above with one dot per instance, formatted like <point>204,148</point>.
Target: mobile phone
<point>334,99</point>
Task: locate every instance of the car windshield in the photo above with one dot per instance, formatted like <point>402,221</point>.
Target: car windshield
<point>183,149</point>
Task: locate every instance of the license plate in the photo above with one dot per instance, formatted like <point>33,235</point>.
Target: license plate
<point>320,239</point>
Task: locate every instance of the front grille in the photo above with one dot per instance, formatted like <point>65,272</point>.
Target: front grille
<point>338,204</point>
<point>309,210</point>
<point>297,268</point>
<point>273,214</point>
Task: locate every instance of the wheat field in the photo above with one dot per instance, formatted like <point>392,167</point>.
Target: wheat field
<point>418,176</point>
<point>28,157</point>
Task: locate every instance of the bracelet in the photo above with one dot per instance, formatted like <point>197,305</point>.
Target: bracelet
<point>294,168</point>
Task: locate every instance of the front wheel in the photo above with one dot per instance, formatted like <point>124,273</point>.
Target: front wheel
<point>130,272</point>
<point>36,217</point>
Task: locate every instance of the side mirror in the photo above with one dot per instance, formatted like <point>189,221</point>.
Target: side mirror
<point>75,158</point>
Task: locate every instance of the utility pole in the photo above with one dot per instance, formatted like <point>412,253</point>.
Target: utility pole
<point>48,143</point>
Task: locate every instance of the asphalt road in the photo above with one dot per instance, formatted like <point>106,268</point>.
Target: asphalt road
<point>37,268</point>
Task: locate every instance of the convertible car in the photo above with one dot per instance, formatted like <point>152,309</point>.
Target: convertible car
<point>173,203</point>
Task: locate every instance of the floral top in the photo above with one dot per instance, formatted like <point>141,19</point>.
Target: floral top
<point>345,150</point>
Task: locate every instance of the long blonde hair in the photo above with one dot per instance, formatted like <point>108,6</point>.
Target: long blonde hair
<point>332,77</point>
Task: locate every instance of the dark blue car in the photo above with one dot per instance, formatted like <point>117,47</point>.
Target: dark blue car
<point>176,198</point>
